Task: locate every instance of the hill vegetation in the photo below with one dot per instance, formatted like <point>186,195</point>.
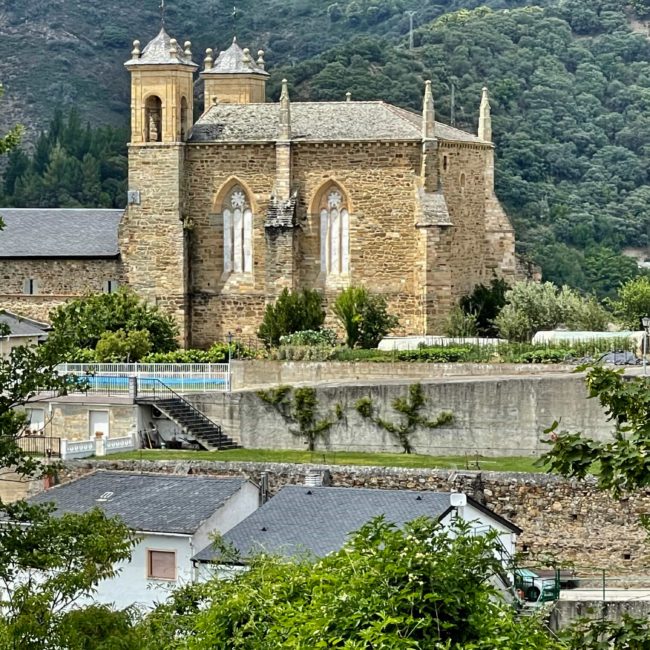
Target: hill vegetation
<point>569,82</point>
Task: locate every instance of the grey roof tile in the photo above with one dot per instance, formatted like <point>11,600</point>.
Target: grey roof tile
<point>19,326</point>
<point>332,121</point>
<point>159,52</point>
<point>318,520</point>
<point>146,502</point>
<point>233,61</point>
<point>37,232</point>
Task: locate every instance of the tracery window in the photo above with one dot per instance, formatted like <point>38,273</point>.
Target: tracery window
<point>237,232</point>
<point>334,232</point>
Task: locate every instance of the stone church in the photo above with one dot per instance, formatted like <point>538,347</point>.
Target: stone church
<point>253,197</point>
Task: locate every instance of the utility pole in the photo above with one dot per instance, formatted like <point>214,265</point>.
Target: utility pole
<point>410,14</point>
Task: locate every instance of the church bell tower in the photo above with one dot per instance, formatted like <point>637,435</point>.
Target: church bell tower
<point>153,233</point>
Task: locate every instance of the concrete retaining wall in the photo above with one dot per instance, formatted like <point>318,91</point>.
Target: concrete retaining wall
<point>492,416</point>
<point>247,374</point>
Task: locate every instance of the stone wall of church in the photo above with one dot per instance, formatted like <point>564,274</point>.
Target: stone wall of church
<point>152,234</point>
<point>226,302</point>
<point>56,281</point>
<point>387,251</point>
<point>463,181</point>
<point>385,247</point>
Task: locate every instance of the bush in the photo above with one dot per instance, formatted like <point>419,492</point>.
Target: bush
<point>292,312</point>
<point>121,346</point>
<point>532,307</point>
<point>218,353</point>
<point>82,322</point>
<point>484,305</point>
<point>321,338</point>
<point>460,324</point>
<point>364,317</point>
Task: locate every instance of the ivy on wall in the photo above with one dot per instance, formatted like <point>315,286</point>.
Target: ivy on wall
<point>410,409</point>
<point>299,408</point>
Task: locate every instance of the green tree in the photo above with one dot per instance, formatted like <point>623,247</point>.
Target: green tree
<point>531,307</point>
<point>49,562</point>
<point>82,322</point>
<point>121,346</point>
<point>293,311</point>
<point>633,302</point>
<point>11,139</point>
<point>364,317</point>
<point>418,587</point>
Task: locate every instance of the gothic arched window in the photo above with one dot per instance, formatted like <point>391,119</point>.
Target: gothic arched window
<point>153,119</point>
<point>334,232</point>
<point>237,232</point>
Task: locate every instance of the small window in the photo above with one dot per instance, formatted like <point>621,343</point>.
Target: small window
<point>161,565</point>
<point>30,287</point>
<point>462,181</point>
<point>111,286</point>
<point>445,162</point>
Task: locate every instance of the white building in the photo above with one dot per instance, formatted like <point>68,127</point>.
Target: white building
<point>174,517</point>
<point>302,519</point>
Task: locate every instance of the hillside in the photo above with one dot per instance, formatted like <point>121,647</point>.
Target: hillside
<point>569,82</point>
<point>54,52</point>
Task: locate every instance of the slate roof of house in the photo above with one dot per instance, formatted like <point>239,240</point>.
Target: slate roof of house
<point>41,232</point>
<point>146,502</point>
<point>318,520</point>
<point>332,121</point>
<point>234,61</point>
<point>158,51</point>
<point>22,327</point>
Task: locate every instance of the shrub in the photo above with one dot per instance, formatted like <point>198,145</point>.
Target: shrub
<point>461,324</point>
<point>292,312</point>
<point>121,346</point>
<point>323,337</point>
<point>532,307</point>
<point>82,322</point>
<point>364,317</point>
<point>218,353</point>
<point>484,305</point>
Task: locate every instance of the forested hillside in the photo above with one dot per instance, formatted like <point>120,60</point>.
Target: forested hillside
<point>569,82</point>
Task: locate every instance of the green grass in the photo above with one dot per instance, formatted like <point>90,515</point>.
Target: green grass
<point>503,464</point>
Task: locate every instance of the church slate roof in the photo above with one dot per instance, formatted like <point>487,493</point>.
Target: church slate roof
<point>145,502</point>
<point>39,232</point>
<point>158,52</point>
<point>232,61</point>
<point>333,121</point>
<point>318,520</point>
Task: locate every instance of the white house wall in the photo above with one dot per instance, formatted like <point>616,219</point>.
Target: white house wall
<point>236,509</point>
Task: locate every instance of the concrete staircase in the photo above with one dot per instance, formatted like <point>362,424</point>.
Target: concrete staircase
<point>195,425</point>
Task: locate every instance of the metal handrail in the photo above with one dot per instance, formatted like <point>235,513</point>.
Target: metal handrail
<point>160,391</point>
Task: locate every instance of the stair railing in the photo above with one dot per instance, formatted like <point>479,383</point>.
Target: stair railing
<point>155,390</point>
